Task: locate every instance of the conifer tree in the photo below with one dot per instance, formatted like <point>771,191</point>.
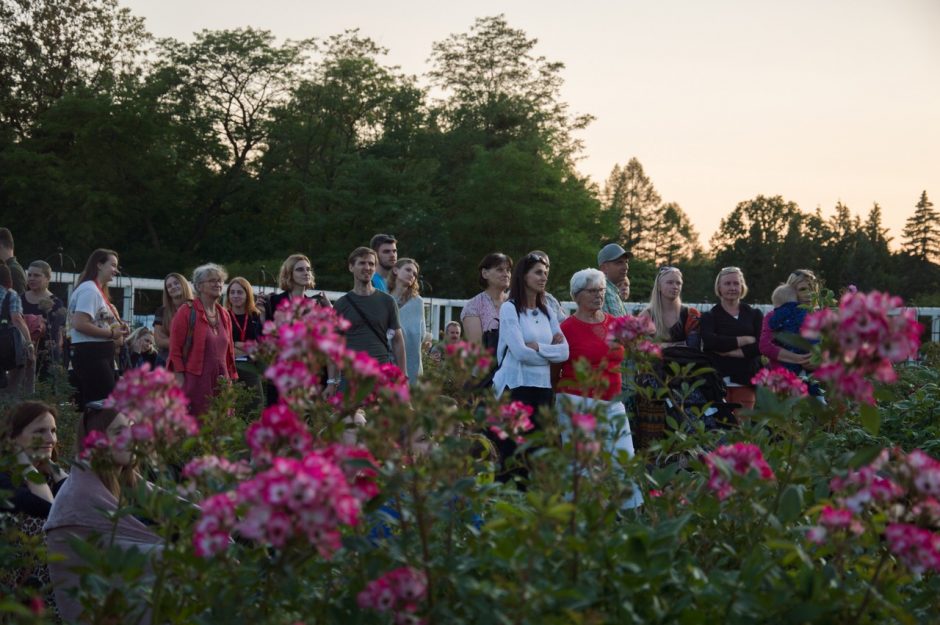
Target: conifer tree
<point>922,231</point>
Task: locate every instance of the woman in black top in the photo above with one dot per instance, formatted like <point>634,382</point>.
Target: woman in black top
<point>731,331</point>
<point>246,329</point>
<point>29,432</point>
<point>295,278</point>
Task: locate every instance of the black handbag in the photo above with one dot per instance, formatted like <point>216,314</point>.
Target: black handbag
<point>12,342</point>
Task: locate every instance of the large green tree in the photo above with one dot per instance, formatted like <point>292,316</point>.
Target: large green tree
<point>753,237</point>
<point>50,47</point>
<point>225,84</point>
<point>631,199</point>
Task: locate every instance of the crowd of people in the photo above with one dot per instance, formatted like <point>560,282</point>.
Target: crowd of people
<point>206,324</point>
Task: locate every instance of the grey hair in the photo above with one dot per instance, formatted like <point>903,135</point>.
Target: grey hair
<point>202,271</point>
<point>585,278</point>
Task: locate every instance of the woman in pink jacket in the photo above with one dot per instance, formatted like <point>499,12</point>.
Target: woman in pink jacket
<point>201,346</point>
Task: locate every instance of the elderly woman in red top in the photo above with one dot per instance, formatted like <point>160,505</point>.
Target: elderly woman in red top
<point>201,346</point>
<point>586,332</point>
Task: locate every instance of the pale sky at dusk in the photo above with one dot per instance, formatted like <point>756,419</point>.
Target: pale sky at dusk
<point>816,101</point>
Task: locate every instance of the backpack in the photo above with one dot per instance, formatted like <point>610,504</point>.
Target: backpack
<point>12,341</point>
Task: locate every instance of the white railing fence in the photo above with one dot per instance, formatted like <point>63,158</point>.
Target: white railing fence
<point>438,311</point>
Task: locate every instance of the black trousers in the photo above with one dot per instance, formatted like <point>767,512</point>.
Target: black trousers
<point>93,364</point>
<point>535,398</point>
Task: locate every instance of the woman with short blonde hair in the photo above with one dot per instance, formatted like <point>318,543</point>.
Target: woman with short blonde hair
<point>731,331</point>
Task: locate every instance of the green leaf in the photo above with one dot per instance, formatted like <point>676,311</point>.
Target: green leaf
<point>791,503</point>
<point>864,456</point>
<point>871,419</point>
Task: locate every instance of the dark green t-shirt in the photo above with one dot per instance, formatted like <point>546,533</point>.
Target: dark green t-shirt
<point>382,312</point>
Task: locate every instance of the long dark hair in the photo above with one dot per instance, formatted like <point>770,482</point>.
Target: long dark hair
<point>517,293</point>
<point>90,272</point>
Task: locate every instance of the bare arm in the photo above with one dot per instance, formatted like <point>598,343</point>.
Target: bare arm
<point>161,337</point>
<point>398,346</point>
<point>473,329</point>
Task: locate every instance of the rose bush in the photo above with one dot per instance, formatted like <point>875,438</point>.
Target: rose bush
<point>303,516</point>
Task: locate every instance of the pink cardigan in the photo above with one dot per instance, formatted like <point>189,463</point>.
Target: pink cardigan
<point>197,351</point>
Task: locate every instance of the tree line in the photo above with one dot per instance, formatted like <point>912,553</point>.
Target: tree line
<point>240,149</point>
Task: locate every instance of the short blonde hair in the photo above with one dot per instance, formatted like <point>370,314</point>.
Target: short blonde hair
<point>285,278</point>
<point>783,294</point>
<point>727,271</point>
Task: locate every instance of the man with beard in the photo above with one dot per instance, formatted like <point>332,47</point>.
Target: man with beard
<point>386,252</point>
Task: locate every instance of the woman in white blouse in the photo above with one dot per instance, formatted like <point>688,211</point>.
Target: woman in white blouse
<point>530,338</point>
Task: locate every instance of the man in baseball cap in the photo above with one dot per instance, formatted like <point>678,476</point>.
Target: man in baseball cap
<point>613,261</point>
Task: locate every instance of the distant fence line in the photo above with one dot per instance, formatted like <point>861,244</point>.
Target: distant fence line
<point>437,311</point>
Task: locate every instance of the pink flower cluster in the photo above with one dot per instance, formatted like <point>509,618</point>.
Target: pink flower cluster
<point>308,498</point>
<point>834,519</point>
<point>299,342</point>
<point>199,471</point>
<point>635,333</point>
<point>153,402</point>
<point>781,381</point>
<point>278,432</point>
<point>903,487</point>
<point>93,445</point>
<point>469,356</point>
<point>740,459</point>
<point>400,591</point>
<point>861,340</point>
<point>513,420</point>
<point>916,547</point>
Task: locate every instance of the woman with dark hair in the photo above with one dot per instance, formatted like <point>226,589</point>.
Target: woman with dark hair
<point>96,327</point>
<point>480,315</point>
<point>29,432</point>
<point>176,292</point>
<point>403,285</point>
<point>201,345</point>
<point>730,331</point>
<point>85,508</point>
<point>295,279</point>
<point>530,338</point>
<point>246,329</point>
<point>45,317</point>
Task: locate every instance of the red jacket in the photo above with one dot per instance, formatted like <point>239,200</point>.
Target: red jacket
<point>179,329</point>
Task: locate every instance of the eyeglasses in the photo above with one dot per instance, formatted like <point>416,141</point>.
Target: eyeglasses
<point>666,268</point>
<point>599,291</point>
<point>731,270</point>
<point>213,281</point>
<point>799,273</point>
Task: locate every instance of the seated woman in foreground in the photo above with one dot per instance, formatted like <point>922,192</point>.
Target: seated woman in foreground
<point>82,507</point>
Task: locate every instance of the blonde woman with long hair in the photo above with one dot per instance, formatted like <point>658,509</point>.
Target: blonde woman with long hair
<point>176,292</point>
<point>403,285</point>
<point>676,324</point>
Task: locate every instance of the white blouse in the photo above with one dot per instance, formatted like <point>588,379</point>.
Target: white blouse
<point>522,365</point>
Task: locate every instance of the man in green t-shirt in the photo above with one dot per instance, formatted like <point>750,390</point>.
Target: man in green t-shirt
<point>372,314</point>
